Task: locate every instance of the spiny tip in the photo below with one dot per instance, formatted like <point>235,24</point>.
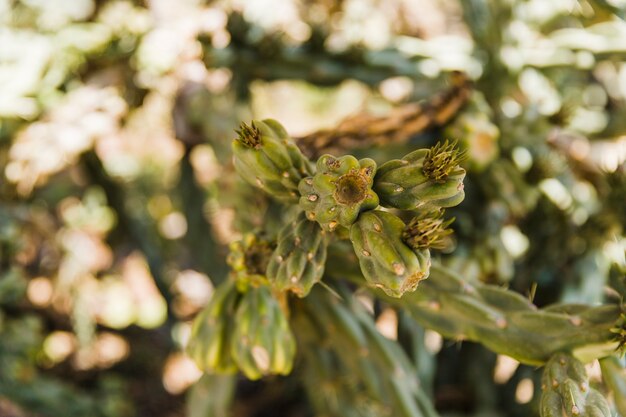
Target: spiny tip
<point>249,135</point>
<point>441,159</point>
<point>429,230</point>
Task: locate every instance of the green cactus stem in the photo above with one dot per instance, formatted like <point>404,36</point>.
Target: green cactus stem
<point>422,179</point>
<point>385,260</point>
<point>508,323</point>
<point>614,376</point>
<point>339,191</point>
<point>351,368</point>
<point>566,390</point>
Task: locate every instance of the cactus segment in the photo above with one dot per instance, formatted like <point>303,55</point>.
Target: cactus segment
<point>339,191</point>
<point>566,390</point>
<point>262,342</point>
<point>424,178</point>
<point>209,345</point>
<point>298,261</point>
<point>385,260</point>
<point>266,157</point>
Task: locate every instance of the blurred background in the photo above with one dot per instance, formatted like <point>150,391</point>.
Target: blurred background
<point>118,198</point>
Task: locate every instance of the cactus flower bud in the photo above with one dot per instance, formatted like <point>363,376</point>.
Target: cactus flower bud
<point>209,345</point>
<point>262,342</point>
<point>248,259</point>
<point>426,177</point>
<point>339,191</point>
<point>386,261</point>
<point>266,157</point>
<point>298,261</point>
<point>428,230</point>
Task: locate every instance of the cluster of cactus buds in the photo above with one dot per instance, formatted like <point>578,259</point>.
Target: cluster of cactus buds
<point>246,325</point>
<point>243,326</point>
<point>344,195</point>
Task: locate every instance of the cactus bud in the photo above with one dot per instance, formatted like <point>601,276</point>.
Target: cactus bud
<point>385,260</point>
<point>298,261</point>
<point>339,191</point>
<point>262,342</point>
<point>426,177</point>
<point>429,230</point>
<point>266,157</point>
<point>248,260</point>
<point>566,390</point>
<point>209,345</point>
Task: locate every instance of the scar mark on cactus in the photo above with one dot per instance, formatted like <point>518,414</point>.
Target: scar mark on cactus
<point>351,188</point>
<point>398,268</point>
<point>575,320</point>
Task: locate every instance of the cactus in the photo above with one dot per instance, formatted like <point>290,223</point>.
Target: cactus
<point>509,323</point>
<point>566,390</point>
<point>211,333</point>
<point>265,156</point>
<point>340,189</point>
<point>261,342</point>
<point>385,259</point>
<point>299,258</point>
<point>423,178</point>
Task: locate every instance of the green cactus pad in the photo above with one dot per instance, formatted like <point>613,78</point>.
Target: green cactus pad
<point>339,191</point>
<point>209,344</point>
<point>423,178</point>
<point>266,157</point>
<point>298,261</point>
<point>262,342</point>
<point>385,260</point>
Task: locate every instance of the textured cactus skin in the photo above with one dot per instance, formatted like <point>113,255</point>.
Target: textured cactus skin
<point>354,371</point>
<point>274,164</point>
<point>508,323</point>
<point>210,340</point>
<point>261,342</point>
<point>339,191</point>
<point>299,259</point>
<point>402,184</point>
<point>614,375</point>
<point>385,260</point>
<point>566,390</point>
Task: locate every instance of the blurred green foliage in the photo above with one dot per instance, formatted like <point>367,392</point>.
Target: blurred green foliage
<point>118,198</point>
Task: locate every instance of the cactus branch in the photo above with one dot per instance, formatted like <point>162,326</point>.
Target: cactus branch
<point>506,322</point>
